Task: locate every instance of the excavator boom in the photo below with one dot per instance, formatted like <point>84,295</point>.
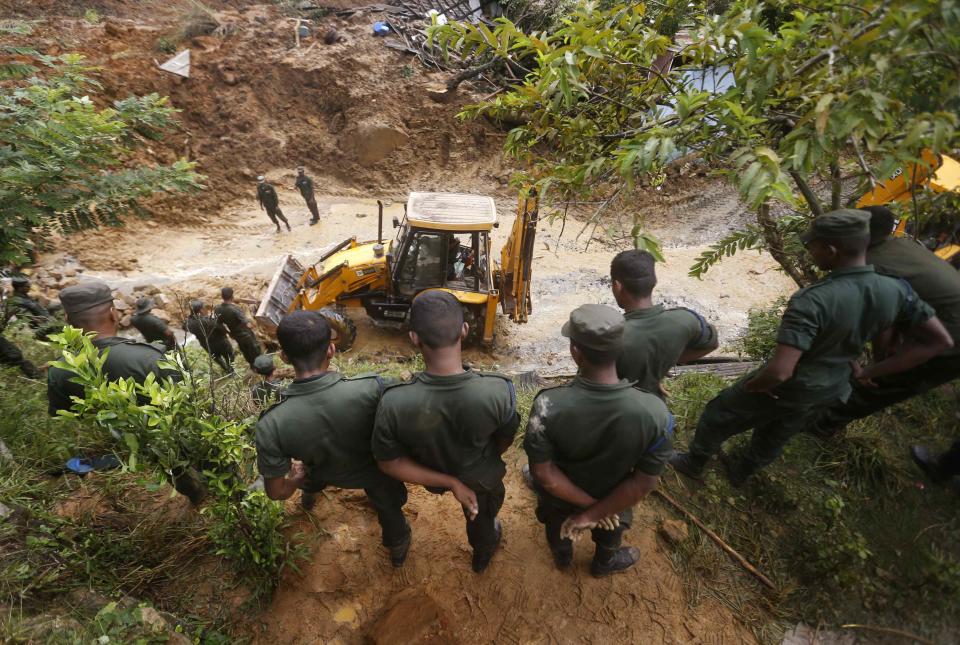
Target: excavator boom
<point>516,260</point>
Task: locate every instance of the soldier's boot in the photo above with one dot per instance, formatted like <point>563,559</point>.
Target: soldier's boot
<point>308,500</point>
<point>482,560</point>
<point>929,464</point>
<point>398,552</point>
<point>188,483</point>
<point>562,558</point>
<point>738,469</point>
<point>689,464</point>
<point>607,560</point>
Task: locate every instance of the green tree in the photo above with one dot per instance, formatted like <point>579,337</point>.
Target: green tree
<point>820,96</point>
<point>66,163</point>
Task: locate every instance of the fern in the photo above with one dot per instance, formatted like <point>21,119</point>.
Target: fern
<point>747,239</point>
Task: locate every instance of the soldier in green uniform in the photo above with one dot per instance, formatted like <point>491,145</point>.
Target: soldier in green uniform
<point>270,202</point>
<point>232,317</point>
<point>11,355</point>
<point>268,389</point>
<point>654,338</point>
<point>211,335</point>
<point>823,332</point>
<point>596,445</point>
<point>89,306</point>
<point>305,185</point>
<point>446,428</point>
<point>937,283</point>
<point>36,315</point>
<point>153,328</point>
<point>319,435</point>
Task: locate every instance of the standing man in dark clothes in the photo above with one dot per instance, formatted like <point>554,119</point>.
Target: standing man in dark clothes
<point>319,434</point>
<point>269,201</point>
<point>211,335</point>
<point>824,330</point>
<point>596,445</point>
<point>305,186</point>
<point>11,355</point>
<point>655,339</point>
<point>153,328</point>
<point>268,390</point>
<point>446,428</point>
<point>89,306</point>
<point>935,282</point>
<point>36,315</point>
<point>231,315</point>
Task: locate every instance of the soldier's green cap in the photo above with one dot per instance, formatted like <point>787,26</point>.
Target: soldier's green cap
<point>86,295</point>
<point>263,364</point>
<point>838,225</point>
<point>19,280</point>
<point>597,327</point>
<point>145,304</point>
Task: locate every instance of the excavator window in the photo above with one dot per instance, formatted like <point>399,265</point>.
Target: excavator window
<point>422,264</point>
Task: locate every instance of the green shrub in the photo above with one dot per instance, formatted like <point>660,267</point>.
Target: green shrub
<point>760,339</point>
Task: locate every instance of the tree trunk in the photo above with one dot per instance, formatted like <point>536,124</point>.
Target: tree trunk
<point>774,245</point>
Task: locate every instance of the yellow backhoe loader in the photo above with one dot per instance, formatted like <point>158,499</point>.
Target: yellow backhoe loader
<point>442,242</point>
<point>940,174</point>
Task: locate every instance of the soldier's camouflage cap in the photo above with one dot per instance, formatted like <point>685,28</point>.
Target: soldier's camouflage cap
<point>263,364</point>
<point>597,327</point>
<point>86,295</point>
<point>838,225</point>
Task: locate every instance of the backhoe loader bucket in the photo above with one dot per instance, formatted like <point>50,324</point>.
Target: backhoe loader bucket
<point>280,294</point>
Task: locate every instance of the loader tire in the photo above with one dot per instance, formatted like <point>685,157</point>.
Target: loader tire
<point>343,325</point>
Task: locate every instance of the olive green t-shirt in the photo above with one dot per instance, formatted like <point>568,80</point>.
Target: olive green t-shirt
<point>211,335</point>
<point>831,322</point>
<point>232,317</point>
<point>449,424</point>
<point>654,339</point>
<point>325,422</point>
<point>597,434</point>
<point>152,327</point>
<point>126,359</point>
<point>935,280</point>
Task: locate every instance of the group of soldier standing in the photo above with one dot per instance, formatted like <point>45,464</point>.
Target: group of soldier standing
<point>270,202</point>
<point>597,445</point>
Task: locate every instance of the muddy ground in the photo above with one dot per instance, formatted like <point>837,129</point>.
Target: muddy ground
<point>355,114</point>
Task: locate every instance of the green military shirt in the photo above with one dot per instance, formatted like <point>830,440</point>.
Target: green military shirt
<point>654,339</point>
<point>30,310</point>
<point>305,185</point>
<point>266,391</point>
<point>126,359</point>
<point>233,317</point>
<point>154,329</point>
<point>210,334</point>
<point>325,422</point>
<point>935,281</point>
<point>831,322</point>
<point>449,424</point>
<point>598,434</point>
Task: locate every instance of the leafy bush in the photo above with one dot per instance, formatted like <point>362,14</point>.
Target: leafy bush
<point>760,339</point>
<point>169,425</point>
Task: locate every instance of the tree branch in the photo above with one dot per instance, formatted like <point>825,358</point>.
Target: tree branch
<point>836,185</point>
<point>774,242</point>
<point>826,53</point>
<point>863,162</point>
<point>811,198</point>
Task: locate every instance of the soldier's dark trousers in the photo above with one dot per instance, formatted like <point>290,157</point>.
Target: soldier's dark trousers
<point>223,356</point>
<point>248,345</point>
<point>276,214</point>
<point>387,495</point>
<point>552,513</point>
<point>314,211</point>
<point>890,390</point>
<point>735,411</point>
<point>11,355</point>
<point>949,462</point>
<point>482,530</point>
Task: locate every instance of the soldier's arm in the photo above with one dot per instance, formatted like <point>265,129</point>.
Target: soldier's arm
<point>779,369</point>
<point>555,481</point>
<point>704,339</point>
<point>407,470</point>
<point>629,492</point>
<point>924,341</point>
<point>279,488</point>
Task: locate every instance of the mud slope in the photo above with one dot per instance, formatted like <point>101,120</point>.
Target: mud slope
<point>349,593</point>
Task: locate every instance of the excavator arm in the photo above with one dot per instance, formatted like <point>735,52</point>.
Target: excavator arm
<point>516,260</point>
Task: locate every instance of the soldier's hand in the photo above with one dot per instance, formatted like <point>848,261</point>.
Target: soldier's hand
<point>574,526</point>
<point>298,472</point>
<point>860,376</point>
<point>467,499</point>
<point>609,523</point>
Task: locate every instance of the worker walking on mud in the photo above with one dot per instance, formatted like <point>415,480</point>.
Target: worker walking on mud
<point>823,332</point>
<point>446,428</point>
<point>319,435</point>
<point>270,202</point>
<point>305,185</point>
<point>211,335</point>
<point>596,446</point>
<point>230,315</point>
<point>655,339</point>
<point>937,283</point>
<point>153,328</point>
